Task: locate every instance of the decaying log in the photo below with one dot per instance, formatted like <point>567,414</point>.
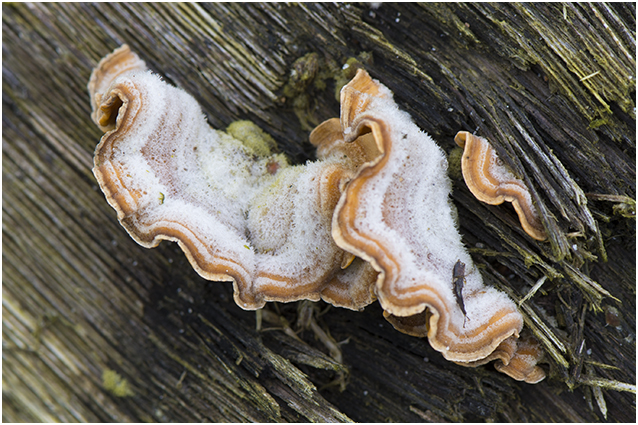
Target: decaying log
<point>96,328</point>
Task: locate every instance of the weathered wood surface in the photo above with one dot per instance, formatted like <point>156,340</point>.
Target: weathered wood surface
<point>551,85</point>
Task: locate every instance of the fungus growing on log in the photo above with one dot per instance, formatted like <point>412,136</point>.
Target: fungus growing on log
<point>490,181</point>
<point>396,213</point>
<point>371,218</point>
<point>522,364</point>
<point>238,218</point>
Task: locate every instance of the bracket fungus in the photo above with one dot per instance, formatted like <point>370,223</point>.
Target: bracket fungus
<point>370,219</point>
<point>238,218</point>
<point>396,213</point>
<point>490,181</point>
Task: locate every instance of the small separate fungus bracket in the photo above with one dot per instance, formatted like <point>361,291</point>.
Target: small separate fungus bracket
<point>490,181</point>
<point>370,219</point>
<point>240,213</point>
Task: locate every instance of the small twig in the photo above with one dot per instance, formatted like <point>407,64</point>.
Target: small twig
<point>600,400</point>
<point>532,291</point>
<point>549,335</point>
<point>178,385</point>
<point>607,384</point>
<point>587,77</point>
<point>601,365</point>
<point>328,341</point>
<point>258,317</point>
<point>611,198</point>
<point>589,286</point>
<point>427,416</point>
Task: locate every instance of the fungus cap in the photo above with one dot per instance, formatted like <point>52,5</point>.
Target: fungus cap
<point>490,181</point>
<point>396,214</point>
<point>238,217</point>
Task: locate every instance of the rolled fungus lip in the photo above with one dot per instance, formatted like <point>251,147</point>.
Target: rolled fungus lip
<point>494,183</point>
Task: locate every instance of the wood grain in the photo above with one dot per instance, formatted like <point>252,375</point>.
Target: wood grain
<point>552,86</point>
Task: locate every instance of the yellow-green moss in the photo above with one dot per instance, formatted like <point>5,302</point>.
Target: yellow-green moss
<point>454,164</point>
<point>309,74</point>
<point>115,384</point>
<point>348,71</point>
<point>254,138</point>
<point>302,73</point>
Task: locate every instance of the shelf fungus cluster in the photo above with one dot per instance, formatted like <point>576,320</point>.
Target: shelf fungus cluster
<point>370,219</point>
